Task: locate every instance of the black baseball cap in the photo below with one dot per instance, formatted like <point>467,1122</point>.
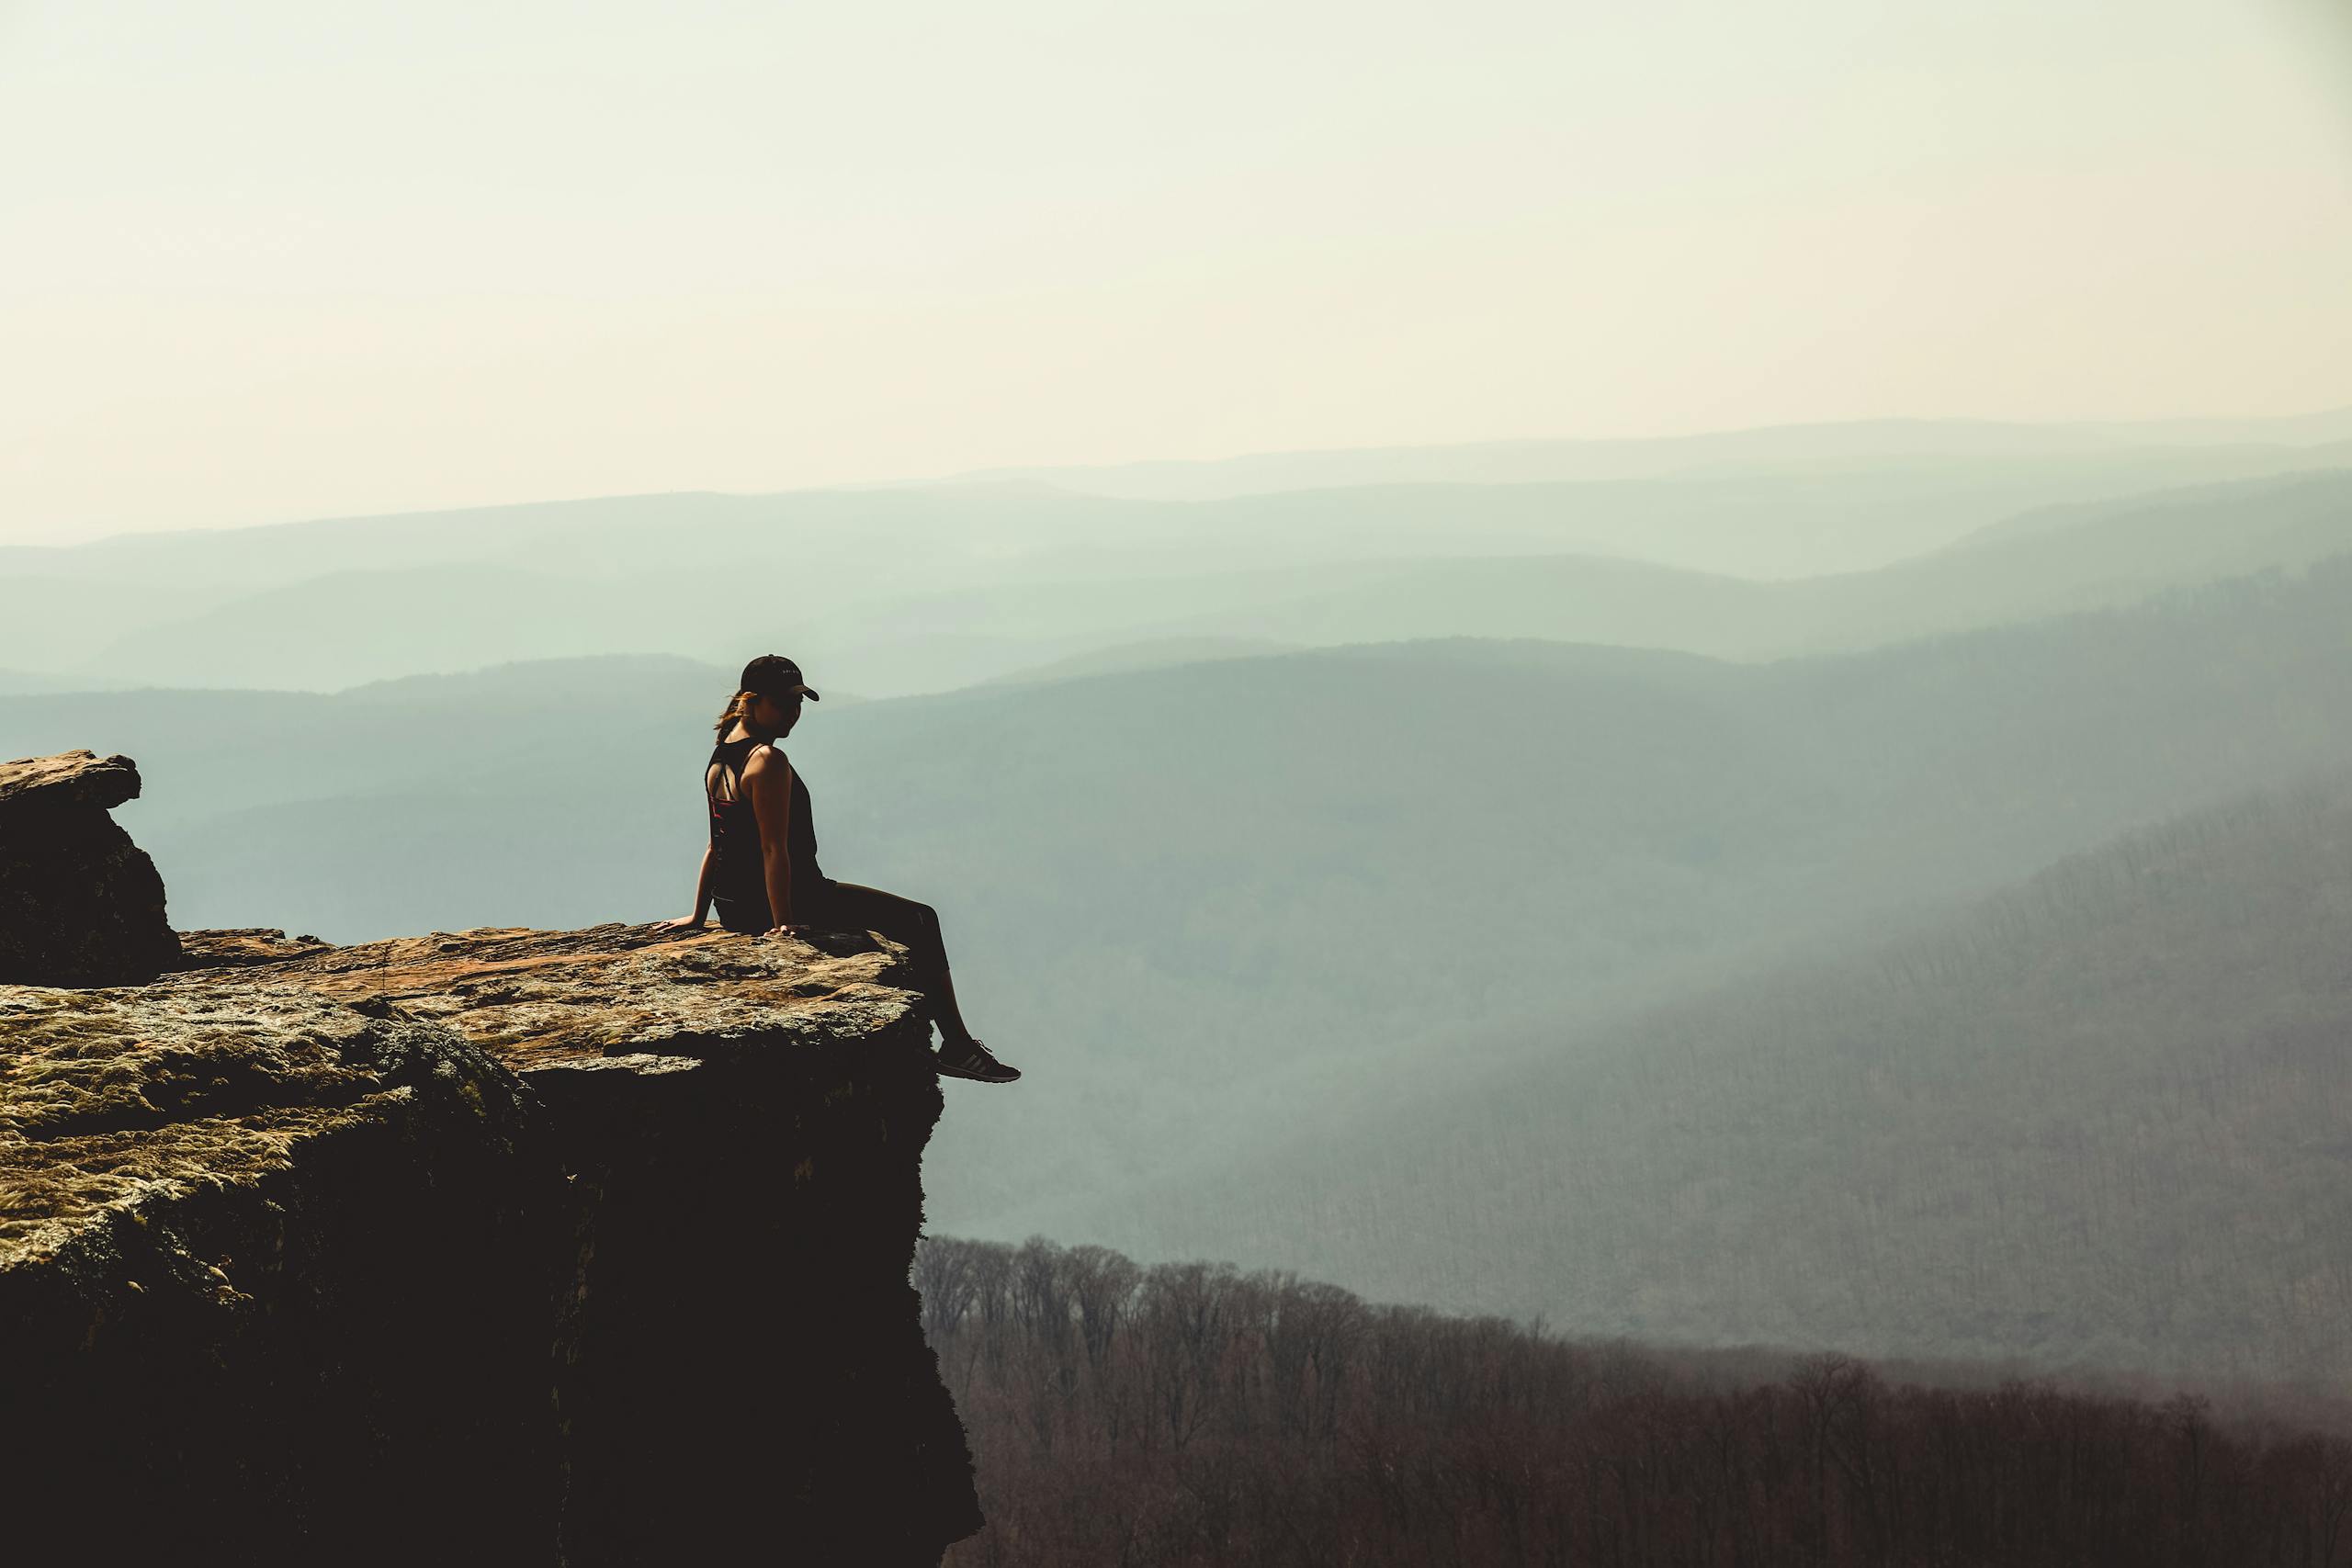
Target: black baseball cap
<point>774,677</point>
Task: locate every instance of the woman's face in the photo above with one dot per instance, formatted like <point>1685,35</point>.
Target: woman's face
<point>776,717</point>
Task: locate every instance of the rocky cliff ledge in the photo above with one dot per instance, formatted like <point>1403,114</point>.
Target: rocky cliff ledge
<point>501,1246</point>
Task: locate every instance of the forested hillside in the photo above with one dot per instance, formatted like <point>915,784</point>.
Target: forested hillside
<point>1190,1414</point>
<point>2100,1120</point>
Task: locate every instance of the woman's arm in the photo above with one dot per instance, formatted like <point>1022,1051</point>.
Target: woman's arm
<point>769,778</point>
<point>702,895</point>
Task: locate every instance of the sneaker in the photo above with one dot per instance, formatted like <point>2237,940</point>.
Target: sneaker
<point>973,1061</point>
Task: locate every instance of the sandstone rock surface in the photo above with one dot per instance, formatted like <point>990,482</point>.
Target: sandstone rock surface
<point>496,1246</point>
<point>547,1000</point>
<point>80,904</point>
<point>68,779</point>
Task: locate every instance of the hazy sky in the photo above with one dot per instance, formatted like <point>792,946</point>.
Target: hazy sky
<point>262,259</point>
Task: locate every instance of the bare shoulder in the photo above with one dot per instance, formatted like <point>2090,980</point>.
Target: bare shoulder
<point>766,763</point>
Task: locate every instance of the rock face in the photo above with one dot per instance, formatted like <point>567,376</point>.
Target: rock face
<point>504,1246</point>
<point>80,904</point>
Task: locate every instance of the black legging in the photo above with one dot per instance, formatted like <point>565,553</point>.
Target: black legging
<point>853,907</point>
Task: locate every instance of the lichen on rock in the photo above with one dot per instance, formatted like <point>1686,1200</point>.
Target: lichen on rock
<point>499,1246</point>
<point>263,1261</point>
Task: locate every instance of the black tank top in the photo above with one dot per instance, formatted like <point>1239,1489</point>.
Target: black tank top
<point>737,876</point>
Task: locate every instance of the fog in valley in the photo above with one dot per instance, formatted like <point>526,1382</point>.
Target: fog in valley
<point>1884,888</point>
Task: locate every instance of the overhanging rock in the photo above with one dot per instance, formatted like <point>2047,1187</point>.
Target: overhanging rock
<point>499,1246</point>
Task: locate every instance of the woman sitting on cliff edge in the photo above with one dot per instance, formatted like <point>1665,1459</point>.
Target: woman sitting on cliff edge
<point>760,873</point>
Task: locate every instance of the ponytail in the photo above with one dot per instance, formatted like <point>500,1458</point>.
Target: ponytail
<point>738,707</point>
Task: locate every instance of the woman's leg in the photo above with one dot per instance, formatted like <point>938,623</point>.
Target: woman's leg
<point>852,905</point>
<point>738,914</point>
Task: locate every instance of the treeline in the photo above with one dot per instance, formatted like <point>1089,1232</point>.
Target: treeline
<point>1192,1413</point>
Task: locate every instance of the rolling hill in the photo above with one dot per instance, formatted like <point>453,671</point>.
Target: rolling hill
<point>2097,1120</point>
<point>1198,902</point>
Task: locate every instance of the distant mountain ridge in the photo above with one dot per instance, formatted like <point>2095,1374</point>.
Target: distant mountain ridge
<point>1543,458</point>
<point>938,617</point>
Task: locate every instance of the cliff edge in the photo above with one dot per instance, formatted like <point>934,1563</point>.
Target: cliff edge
<point>584,1247</point>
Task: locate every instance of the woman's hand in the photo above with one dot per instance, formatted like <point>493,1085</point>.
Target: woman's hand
<point>684,924</point>
<point>790,928</point>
